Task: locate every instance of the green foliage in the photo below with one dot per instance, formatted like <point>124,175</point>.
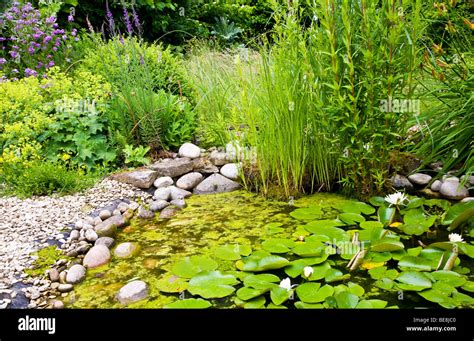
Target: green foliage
<point>135,157</point>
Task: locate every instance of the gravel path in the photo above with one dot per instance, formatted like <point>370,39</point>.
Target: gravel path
<point>29,225</point>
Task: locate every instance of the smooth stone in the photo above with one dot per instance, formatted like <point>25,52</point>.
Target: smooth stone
<point>189,150</point>
<point>116,212</point>
<point>76,274</point>
<point>436,185</point>
<point>105,214</point>
<point>106,241</point>
<point>430,194</point>
<point>53,275</point>
<point>97,221</point>
<point>91,236</point>
<point>399,181</point>
<point>163,181</point>
<point>467,199</point>
<point>162,193</point>
<point>179,193</point>
<point>132,292</point>
<point>57,304</point>
<point>88,220</point>
<point>169,212</point>
<point>141,178</point>
<point>189,181</point>
<point>74,235</point>
<point>158,205</point>
<point>108,227</point>
<point>72,253</point>
<point>231,171</point>
<point>419,179</point>
<point>123,206</point>
<point>62,276</point>
<point>98,255</point>
<point>178,203</point>
<point>470,180</point>
<point>133,205</point>
<point>66,287</point>
<point>173,167</point>
<point>220,158</point>
<point>145,214</point>
<point>54,285</point>
<point>216,183</point>
<point>452,189</point>
<point>83,248</point>
<point>128,214</point>
<point>78,224</point>
<point>125,250</point>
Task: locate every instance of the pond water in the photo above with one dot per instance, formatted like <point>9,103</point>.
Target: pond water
<point>208,222</point>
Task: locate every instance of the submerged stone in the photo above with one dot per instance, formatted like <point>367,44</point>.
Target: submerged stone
<point>133,292</point>
<point>98,255</point>
<point>125,250</point>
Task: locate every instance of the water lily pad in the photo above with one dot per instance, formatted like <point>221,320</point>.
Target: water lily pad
<point>414,229</point>
<point>386,245</point>
<point>189,303</point>
<point>371,304</point>
<point>232,252</point>
<point>335,275</point>
<point>411,280</point>
<point>444,288</point>
<point>319,271</point>
<point>468,286</point>
<point>378,273</point>
<point>278,245</point>
<point>455,211</point>
<point>307,213</point>
<point>449,277</point>
<point>355,289</point>
<point>272,305</point>
<point>414,263</point>
<point>370,224</point>
<point>308,249</point>
<point>346,300</point>
<point>377,201</point>
<point>415,202</point>
<point>463,299</point>
<point>384,283</point>
<point>386,215</point>
<point>261,281</point>
<point>351,218</point>
<point>442,203</point>
<point>303,305</point>
<point>313,292</point>
<point>246,293</point>
<point>261,261</point>
<point>171,284</point>
<point>212,284</point>
<point>414,251</point>
<point>255,303</point>
<point>350,206</point>
<point>332,233</point>
<point>280,295</point>
<point>273,228</point>
<point>191,266</point>
<point>295,268</point>
<point>433,295</point>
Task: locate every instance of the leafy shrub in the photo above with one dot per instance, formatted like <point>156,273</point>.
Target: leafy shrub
<point>135,156</point>
<point>31,43</point>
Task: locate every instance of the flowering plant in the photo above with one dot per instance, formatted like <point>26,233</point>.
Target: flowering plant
<point>31,44</point>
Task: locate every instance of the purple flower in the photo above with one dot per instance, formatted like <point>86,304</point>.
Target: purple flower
<point>74,32</point>
<point>14,47</point>
<point>2,61</point>
<point>31,50</point>
<point>136,21</point>
<point>29,72</point>
<point>15,71</point>
<point>70,18</point>
<point>3,38</point>
<point>36,36</point>
<point>55,48</point>
<point>128,24</point>
<point>47,39</point>
<point>64,37</point>
<point>49,56</point>
<point>40,65</point>
<point>14,54</point>
<point>50,64</point>
<point>51,20</point>
<point>110,17</point>
<point>76,39</point>
<point>58,42</point>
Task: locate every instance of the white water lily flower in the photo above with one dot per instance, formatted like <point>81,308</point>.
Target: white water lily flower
<point>286,284</point>
<point>454,237</point>
<point>396,198</point>
<point>307,271</point>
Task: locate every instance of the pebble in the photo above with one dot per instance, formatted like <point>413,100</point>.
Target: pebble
<point>105,214</point>
<point>65,287</point>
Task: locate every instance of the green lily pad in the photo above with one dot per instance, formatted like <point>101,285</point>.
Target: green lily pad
<point>256,303</point>
<point>377,257</point>
<point>232,252</point>
<point>455,211</point>
<point>335,275</point>
<point>324,223</point>
<point>273,228</point>
<point>350,206</point>
<point>449,277</point>
<point>468,286</point>
<point>463,300</point>
<point>303,305</point>
<point>414,251</point>
<point>261,261</point>
<point>191,266</point>
<point>384,283</point>
<point>355,289</point>
<point>278,245</point>
<point>351,218</point>
<point>272,305</point>
<point>442,203</point>
<point>313,292</point>
<point>319,271</point>
<point>444,288</point>
<point>246,293</point>
<point>331,233</point>
<point>416,202</point>
<point>386,215</point>
<point>171,284</point>
<point>346,300</point>
<point>370,224</point>
<point>261,281</point>
<point>307,213</point>
<point>371,304</point>
<point>189,303</point>
<point>414,229</point>
<point>308,249</point>
<point>377,201</point>
<point>280,295</point>
<point>415,281</point>
<point>212,284</point>
<point>295,268</point>
<point>414,263</point>
<point>386,245</point>
<point>434,296</point>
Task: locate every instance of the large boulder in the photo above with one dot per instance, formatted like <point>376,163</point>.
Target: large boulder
<point>189,181</point>
<point>231,171</point>
<point>420,179</point>
<point>173,167</point>
<point>98,255</point>
<point>76,274</point>
<point>141,178</point>
<point>452,189</point>
<point>216,183</point>
<point>400,182</point>
<point>132,292</point>
<point>108,227</point>
<point>189,150</point>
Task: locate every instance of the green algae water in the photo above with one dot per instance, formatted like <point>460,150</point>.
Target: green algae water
<point>241,218</point>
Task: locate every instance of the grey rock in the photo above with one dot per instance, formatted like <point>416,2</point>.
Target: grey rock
<point>66,287</point>
<point>133,205</point>
<point>125,250</point>
<point>145,214</point>
<point>57,304</point>
<point>108,227</point>
<point>419,179</point>
<point>467,199</point>
<point>106,241</point>
<point>91,236</point>
<point>216,183</point>
<point>83,248</point>
<point>173,167</point>
<point>178,193</point>
<point>231,171</point>
<point>76,274</point>
<point>97,221</point>
<point>163,181</point>
<point>169,212</point>
<point>123,206</point>
<point>141,178</point>
<point>158,205</point>
<point>132,292</point>
<point>74,235</point>
<point>220,158</point>
<point>78,224</point>
<point>62,276</point>
<point>436,186</point>
<point>399,181</point>
<point>53,275</point>
<point>452,189</point>
<point>470,180</point>
<point>189,181</point>
<point>162,193</point>
<point>105,214</point>
<point>178,203</point>
<point>88,220</point>
<point>189,150</point>
<point>98,255</point>
<point>72,253</point>
<point>116,212</point>
<point>54,285</point>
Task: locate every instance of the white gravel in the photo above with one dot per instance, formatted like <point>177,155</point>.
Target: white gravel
<point>26,225</point>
